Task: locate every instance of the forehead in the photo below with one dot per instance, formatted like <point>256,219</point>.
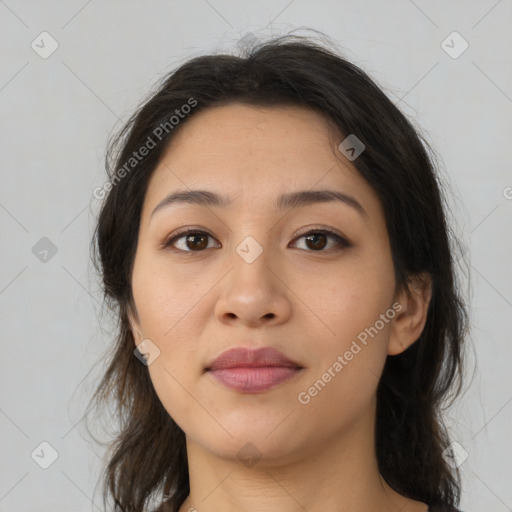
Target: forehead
<point>237,116</point>
<point>255,154</point>
<point>280,130</point>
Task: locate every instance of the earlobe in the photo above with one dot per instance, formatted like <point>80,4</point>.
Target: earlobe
<point>409,323</point>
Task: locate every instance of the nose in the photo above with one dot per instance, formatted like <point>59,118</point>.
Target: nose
<point>253,293</point>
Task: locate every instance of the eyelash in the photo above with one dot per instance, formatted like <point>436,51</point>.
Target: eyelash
<point>342,242</point>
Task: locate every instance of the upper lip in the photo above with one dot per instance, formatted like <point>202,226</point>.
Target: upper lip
<point>241,357</point>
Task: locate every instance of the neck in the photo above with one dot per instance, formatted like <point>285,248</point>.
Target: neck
<point>340,473</point>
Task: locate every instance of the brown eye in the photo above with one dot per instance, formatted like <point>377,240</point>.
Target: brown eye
<point>317,240</point>
<point>196,241</point>
<point>190,241</point>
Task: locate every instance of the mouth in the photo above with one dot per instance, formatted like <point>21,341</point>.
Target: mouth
<point>254,379</point>
<point>241,357</point>
<point>253,371</point>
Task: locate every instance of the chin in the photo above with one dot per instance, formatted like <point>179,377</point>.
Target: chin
<point>252,444</point>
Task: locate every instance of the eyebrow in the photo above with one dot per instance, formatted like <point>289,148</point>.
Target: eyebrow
<point>290,200</point>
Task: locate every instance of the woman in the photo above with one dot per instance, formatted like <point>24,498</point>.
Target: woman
<point>273,240</point>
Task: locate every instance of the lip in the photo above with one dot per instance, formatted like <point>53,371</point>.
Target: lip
<point>252,370</point>
<point>241,357</point>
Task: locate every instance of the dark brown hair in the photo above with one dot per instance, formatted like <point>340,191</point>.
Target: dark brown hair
<point>147,459</point>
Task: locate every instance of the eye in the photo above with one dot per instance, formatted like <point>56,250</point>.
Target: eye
<point>194,240</point>
<point>317,240</point>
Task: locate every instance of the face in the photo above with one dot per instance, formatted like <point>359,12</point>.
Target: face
<point>250,274</point>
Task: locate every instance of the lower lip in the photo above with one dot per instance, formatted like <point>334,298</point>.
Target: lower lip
<point>253,380</point>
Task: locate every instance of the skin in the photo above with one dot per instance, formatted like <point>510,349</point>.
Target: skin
<point>310,303</point>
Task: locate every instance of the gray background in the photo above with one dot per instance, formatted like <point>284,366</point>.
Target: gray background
<point>57,113</point>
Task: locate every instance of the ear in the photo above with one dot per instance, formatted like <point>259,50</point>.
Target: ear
<point>133,321</point>
<point>408,325</point>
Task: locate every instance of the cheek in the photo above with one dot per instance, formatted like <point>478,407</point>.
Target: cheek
<point>168,311</point>
<point>343,381</point>
<point>165,304</point>
<point>166,298</point>
<point>351,300</point>
<point>356,312</point>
